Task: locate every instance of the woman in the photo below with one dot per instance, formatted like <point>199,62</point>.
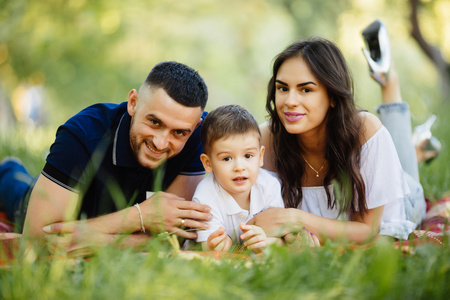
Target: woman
<point>340,173</point>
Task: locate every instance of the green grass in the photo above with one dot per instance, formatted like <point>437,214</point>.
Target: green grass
<point>329,272</point>
<point>332,271</point>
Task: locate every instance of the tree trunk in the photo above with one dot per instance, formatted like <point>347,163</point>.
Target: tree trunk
<point>432,52</point>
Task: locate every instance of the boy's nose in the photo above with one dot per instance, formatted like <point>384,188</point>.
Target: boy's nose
<point>239,165</point>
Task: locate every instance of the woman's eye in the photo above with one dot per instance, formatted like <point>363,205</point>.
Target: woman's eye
<point>306,90</point>
<point>282,88</point>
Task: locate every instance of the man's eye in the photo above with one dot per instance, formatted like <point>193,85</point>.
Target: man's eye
<point>154,122</point>
<point>180,132</point>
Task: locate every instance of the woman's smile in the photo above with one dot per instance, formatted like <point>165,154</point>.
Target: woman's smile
<point>293,117</point>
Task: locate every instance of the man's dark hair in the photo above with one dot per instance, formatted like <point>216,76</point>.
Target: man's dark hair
<point>225,121</point>
<point>180,82</point>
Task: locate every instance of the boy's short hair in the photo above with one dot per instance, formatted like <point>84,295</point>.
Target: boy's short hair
<point>182,83</point>
<point>225,121</point>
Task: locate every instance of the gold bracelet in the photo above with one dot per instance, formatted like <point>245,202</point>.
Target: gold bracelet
<point>140,216</point>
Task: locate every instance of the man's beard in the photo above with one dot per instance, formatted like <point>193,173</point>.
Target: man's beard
<point>142,159</point>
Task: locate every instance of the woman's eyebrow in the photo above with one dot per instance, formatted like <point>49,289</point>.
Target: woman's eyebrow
<point>298,85</point>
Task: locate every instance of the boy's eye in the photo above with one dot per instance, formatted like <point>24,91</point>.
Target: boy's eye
<point>226,158</point>
<point>248,155</point>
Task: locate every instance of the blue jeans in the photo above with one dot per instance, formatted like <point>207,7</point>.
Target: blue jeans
<point>397,120</point>
<point>16,184</point>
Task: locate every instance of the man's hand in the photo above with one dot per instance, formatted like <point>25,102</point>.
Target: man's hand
<point>255,238</point>
<point>161,212</point>
<point>78,239</point>
<point>168,212</point>
<point>219,240</point>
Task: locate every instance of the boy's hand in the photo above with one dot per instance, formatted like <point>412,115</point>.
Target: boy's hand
<point>219,240</point>
<point>255,238</point>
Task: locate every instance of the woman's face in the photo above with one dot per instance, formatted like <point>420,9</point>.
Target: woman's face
<point>301,100</point>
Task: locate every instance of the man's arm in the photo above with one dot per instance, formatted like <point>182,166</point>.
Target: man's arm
<point>83,241</point>
<point>184,186</point>
<point>50,204</point>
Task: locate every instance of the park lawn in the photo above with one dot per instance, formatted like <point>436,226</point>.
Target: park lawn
<point>334,271</point>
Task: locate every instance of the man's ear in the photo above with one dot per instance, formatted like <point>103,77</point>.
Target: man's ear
<point>206,163</point>
<point>132,102</point>
<point>199,122</point>
<point>261,157</point>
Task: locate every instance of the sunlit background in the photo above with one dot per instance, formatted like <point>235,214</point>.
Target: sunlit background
<point>58,56</point>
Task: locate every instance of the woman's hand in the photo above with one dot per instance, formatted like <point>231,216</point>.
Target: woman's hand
<point>302,239</point>
<point>278,222</point>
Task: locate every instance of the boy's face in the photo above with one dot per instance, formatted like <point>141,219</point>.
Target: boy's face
<point>235,162</point>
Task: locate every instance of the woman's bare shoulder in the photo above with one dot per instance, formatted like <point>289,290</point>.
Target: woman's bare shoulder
<point>265,129</point>
<point>370,125</point>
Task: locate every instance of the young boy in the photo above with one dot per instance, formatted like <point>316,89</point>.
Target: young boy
<point>237,189</point>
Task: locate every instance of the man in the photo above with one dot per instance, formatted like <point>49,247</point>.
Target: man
<point>111,155</point>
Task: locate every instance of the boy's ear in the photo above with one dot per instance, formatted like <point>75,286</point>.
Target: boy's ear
<point>206,163</point>
<point>261,157</point>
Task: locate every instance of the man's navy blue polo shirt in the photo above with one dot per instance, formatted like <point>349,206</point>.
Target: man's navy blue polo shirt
<point>92,156</point>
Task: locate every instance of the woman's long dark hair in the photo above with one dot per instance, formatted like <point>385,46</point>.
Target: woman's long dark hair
<point>343,150</point>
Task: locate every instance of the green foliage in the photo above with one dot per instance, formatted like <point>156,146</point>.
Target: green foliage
<point>31,146</point>
<point>85,52</point>
<point>435,176</point>
<point>96,51</point>
<point>329,272</point>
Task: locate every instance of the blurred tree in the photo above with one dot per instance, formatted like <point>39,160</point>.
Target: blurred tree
<point>59,44</point>
<point>318,17</point>
<point>440,14</point>
<point>90,51</point>
<point>84,52</point>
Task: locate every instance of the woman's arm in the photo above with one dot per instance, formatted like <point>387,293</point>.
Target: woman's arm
<point>279,222</point>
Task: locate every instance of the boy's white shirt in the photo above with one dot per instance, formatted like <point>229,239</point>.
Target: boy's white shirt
<point>265,193</point>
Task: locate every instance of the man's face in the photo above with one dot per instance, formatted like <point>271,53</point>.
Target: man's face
<point>160,126</point>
